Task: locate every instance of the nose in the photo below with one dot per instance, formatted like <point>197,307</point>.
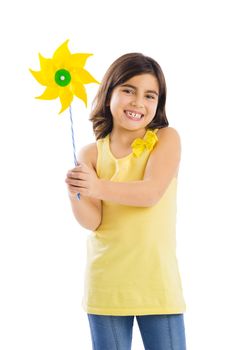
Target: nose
<point>137,102</point>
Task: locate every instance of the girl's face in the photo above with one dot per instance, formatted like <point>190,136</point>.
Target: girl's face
<point>133,104</point>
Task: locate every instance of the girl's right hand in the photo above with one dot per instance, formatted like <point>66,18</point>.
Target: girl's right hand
<point>72,182</point>
<point>84,180</point>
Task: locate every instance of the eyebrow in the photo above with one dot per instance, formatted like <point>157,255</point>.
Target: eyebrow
<point>134,87</point>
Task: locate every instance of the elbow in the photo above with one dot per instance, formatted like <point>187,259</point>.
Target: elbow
<point>149,204</point>
<point>146,203</point>
<point>95,227</point>
<point>91,225</point>
<point>96,223</point>
<point>153,198</point>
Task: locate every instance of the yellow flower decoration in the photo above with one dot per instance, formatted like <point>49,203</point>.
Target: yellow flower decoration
<point>64,76</point>
<point>148,142</point>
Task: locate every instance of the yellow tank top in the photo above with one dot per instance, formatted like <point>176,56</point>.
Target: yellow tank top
<point>131,266</point>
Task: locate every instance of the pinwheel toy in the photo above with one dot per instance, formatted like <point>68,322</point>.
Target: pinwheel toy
<point>64,76</point>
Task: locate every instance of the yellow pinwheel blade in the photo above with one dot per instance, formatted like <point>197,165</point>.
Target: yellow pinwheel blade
<point>46,64</point>
<point>78,60</point>
<point>83,76</point>
<point>49,94</point>
<point>40,77</point>
<point>66,97</point>
<point>80,91</point>
<point>62,55</point>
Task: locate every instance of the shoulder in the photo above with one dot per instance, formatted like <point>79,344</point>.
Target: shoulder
<point>168,147</point>
<point>169,138</point>
<point>163,163</point>
<point>88,154</point>
<point>168,133</point>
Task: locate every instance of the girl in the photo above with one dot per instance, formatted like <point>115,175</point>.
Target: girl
<point>128,185</point>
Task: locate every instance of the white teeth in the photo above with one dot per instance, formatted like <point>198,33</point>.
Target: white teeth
<point>133,115</point>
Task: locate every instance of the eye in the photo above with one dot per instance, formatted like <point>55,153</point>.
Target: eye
<point>128,91</point>
<point>150,97</point>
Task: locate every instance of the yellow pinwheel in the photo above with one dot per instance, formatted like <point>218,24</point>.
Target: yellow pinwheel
<point>64,76</point>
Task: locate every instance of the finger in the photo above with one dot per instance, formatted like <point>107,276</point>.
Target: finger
<point>76,183</point>
<point>82,191</point>
<point>76,176</point>
<point>72,182</point>
<point>76,172</point>
<point>75,169</point>
<point>74,189</point>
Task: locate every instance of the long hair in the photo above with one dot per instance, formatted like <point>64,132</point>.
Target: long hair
<point>121,70</point>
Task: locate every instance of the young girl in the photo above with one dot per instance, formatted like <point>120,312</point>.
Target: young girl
<point>128,185</point>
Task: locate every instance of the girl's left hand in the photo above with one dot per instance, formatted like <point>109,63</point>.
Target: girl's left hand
<point>83,179</point>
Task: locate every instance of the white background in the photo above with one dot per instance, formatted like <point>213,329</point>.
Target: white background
<point>43,248</point>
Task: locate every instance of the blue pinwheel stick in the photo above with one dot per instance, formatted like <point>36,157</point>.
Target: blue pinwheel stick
<point>74,149</point>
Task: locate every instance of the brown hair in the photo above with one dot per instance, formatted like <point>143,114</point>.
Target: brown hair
<point>121,70</point>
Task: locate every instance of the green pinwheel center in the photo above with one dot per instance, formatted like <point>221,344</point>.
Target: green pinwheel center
<point>62,77</point>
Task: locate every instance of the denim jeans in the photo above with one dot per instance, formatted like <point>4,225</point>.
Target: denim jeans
<point>158,332</point>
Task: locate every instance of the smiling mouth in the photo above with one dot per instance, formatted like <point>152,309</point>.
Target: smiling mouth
<point>134,116</point>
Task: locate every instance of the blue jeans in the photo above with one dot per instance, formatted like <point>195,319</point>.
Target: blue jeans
<point>158,332</point>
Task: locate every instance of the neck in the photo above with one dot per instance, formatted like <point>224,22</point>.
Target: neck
<point>125,137</point>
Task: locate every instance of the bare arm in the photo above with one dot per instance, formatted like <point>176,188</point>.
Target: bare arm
<point>87,211</point>
<point>133,193</point>
<point>160,170</point>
